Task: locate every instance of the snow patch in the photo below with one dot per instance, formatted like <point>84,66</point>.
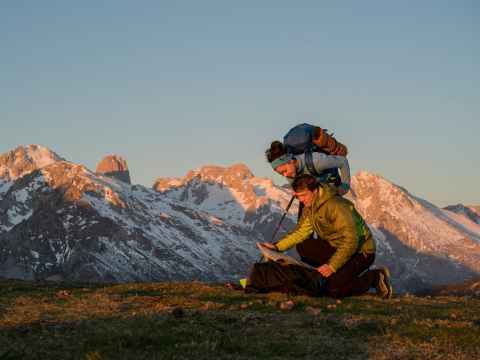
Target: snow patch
<point>15,217</point>
<point>5,186</point>
<point>22,195</point>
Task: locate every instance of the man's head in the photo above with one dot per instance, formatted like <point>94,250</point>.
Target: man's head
<point>305,188</point>
<point>283,163</point>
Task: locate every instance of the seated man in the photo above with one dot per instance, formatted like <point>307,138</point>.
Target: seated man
<point>344,247</point>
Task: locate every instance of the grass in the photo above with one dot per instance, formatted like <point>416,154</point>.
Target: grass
<point>204,321</point>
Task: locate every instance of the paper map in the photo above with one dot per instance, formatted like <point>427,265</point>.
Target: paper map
<point>281,258</point>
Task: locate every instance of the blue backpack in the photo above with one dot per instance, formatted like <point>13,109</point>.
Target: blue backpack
<point>299,140</point>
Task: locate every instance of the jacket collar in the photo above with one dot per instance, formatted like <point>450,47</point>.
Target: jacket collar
<point>325,193</point>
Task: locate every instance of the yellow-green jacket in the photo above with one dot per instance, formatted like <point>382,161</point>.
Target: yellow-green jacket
<point>336,221</point>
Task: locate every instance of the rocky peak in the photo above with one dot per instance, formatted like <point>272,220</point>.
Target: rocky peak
<point>233,176</point>
<point>374,190</point>
<point>234,195</point>
<point>227,175</point>
<point>114,166</point>
<point>365,180</point>
<point>24,159</point>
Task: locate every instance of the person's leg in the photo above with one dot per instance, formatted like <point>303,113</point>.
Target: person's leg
<point>347,282</point>
<point>315,252</point>
<point>273,277</point>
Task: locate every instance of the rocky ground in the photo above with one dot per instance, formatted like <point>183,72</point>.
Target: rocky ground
<point>206,321</point>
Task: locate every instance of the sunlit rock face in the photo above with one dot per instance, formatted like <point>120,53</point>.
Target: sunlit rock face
<point>115,167</point>
<point>23,160</point>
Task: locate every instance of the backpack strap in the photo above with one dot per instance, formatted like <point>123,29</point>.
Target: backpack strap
<point>330,176</point>
<point>327,176</point>
<point>309,163</point>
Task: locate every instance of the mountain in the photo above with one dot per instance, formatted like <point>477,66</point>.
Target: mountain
<point>22,160</point>
<point>422,244</point>
<point>234,195</point>
<point>61,221</point>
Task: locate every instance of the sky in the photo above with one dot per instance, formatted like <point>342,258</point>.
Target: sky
<point>174,85</point>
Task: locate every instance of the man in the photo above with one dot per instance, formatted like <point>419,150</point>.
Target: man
<point>344,247</point>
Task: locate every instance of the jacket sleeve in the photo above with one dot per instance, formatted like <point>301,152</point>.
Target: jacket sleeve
<point>301,232</point>
<point>339,214</point>
<point>323,162</point>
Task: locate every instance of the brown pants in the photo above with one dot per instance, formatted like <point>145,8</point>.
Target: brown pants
<point>346,281</point>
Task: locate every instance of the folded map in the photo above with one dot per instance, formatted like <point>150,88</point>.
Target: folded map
<point>281,258</point>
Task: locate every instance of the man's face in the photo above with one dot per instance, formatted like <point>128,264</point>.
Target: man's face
<point>288,169</point>
<point>306,197</point>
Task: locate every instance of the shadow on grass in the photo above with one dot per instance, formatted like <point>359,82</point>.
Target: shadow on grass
<point>194,334</point>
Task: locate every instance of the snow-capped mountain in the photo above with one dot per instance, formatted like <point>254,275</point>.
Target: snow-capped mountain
<point>234,195</point>
<point>58,220</point>
<point>23,160</point>
<point>421,243</point>
<point>62,221</point>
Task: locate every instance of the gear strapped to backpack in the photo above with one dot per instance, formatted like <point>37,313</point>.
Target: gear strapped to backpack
<point>300,140</point>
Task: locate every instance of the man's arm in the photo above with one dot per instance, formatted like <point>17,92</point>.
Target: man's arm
<point>339,214</point>
<point>301,232</point>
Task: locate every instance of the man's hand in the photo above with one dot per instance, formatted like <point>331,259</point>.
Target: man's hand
<point>270,246</point>
<point>326,270</point>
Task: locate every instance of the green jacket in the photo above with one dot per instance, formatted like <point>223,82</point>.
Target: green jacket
<point>336,221</point>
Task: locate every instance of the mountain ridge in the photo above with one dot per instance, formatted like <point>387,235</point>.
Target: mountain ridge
<point>63,221</point>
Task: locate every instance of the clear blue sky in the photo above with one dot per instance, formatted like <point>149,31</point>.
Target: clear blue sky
<point>173,85</point>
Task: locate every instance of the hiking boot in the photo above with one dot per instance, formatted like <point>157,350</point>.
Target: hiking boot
<point>383,286</point>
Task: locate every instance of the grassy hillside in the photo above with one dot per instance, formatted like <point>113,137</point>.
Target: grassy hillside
<point>200,321</point>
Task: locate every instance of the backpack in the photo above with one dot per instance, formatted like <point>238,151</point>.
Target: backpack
<point>299,140</point>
